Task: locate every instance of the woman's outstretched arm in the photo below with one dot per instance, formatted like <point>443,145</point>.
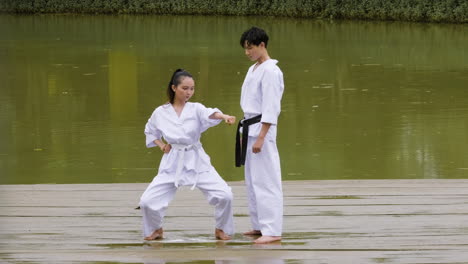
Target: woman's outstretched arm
<point>227,118</point>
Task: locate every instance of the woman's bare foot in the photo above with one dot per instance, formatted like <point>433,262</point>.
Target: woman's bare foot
<point>157,234</point>
<point>221,235</point>
<point>267,239</point>
<point>253,233</point>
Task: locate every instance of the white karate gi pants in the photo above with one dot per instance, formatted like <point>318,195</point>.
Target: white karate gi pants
<point>264,189</point>
<point>161,191</point>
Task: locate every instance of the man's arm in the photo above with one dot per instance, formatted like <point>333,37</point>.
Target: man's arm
<point>257,146</point>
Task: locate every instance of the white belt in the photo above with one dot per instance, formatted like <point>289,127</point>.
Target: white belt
<point>182,148</point>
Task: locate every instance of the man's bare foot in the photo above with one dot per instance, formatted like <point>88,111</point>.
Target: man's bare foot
<point>157,234</point>
<point>253,233</point>
<point>267,239</point>
<point>221,235</point>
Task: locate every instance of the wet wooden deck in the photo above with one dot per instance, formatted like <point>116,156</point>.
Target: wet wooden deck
<point>362,221</point>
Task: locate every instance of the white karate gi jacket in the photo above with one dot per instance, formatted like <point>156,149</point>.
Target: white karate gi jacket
<point>261,94</point>
<point>182,130</point>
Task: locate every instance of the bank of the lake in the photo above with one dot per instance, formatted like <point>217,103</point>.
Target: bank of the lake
<point>451,11</point>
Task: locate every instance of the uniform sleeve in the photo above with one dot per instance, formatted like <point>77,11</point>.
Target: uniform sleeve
<point>272,90</point>
<point>151,131</point>
<point>204,114</point>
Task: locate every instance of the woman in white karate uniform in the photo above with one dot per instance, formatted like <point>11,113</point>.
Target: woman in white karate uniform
<point>180,123</point>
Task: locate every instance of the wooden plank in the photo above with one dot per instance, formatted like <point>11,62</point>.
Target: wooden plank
<point>356,221</point>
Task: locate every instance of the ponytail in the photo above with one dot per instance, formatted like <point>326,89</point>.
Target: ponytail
<point>175,80</point>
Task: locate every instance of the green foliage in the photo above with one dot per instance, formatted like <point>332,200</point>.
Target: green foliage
<point>454,11</point>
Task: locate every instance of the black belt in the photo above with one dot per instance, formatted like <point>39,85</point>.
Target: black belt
<point>241,151</point>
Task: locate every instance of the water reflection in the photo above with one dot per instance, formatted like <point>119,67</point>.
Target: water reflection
<point>253,261</point>
<point>362,100</point>
<point>250,260</point>
<point>257,258</point>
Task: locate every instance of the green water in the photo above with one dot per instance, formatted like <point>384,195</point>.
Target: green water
<point>362,100</point>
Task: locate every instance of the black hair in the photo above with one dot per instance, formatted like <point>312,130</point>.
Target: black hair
<point>254,36</point>
<point>176,79</point>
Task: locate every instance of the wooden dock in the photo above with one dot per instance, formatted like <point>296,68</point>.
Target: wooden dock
<point>344,221</point>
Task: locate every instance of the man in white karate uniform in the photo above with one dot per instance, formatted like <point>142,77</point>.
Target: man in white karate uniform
<point>261,102</point>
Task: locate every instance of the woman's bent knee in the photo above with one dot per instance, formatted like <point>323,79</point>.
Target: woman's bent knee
<point>226,197</point>
<point>229,196</point>
<point>144,203</point>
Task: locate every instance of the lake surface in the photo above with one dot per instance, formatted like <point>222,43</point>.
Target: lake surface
<point>363,100</point>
